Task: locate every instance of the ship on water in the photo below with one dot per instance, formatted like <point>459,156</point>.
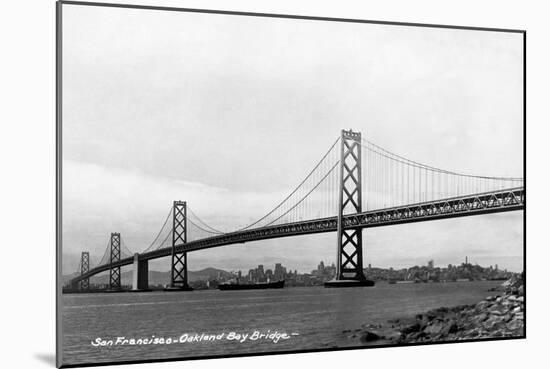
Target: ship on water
<point>251,286</point>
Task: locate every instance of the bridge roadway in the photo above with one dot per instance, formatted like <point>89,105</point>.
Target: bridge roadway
<point>483,203</point>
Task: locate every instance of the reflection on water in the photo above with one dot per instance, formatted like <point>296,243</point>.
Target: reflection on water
<point>313,318</point>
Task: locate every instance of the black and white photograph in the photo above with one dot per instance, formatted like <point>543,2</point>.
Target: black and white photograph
<point>234,183</point>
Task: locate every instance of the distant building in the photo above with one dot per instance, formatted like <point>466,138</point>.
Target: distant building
<point>279,272</point>
<point>431,264</point>
<point>321,267</point>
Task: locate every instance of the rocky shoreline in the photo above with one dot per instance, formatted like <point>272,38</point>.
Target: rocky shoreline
<point>501,315</point>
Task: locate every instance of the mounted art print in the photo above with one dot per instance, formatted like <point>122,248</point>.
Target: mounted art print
<point>239,184</point>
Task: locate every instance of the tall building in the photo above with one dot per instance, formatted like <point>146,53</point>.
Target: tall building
<point>279,273</point>
<point>321,267</point>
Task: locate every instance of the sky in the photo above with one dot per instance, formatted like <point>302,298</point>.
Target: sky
<point>229,113</point>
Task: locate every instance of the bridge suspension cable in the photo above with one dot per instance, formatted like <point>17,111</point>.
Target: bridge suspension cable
<point>78,268</point>
<point>106,254</point>
<point>150,247</point>
<point>124,250</point>
<point>294,200</point>
<point>165,241</point>
<point>305,197</point>
<point>200,224</point>
<point>392,180</point>
<point>420,165</point>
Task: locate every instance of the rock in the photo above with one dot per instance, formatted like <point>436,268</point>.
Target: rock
<point>481,318</point>
<point>392,335</point>
<point>495,316</point>
<point>430,315</point>
<point>492,322</point>
<point>519,316</point>
<point>521,291</point>
<point>416,336</point>
<point>483,305</point>
<point>412,328</point>
<point>369,337</point>
<point>515,324</point>
<point>435,328</point>
<point>450,328</point>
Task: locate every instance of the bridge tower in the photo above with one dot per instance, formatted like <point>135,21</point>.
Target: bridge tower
<point>178,272</point>
<point>349,248</point>
<point>84,268</point>
<point>114,273</point>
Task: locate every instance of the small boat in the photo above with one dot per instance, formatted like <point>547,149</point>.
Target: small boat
<point>251,286</point>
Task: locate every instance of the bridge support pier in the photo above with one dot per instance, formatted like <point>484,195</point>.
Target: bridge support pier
<point>140,278</point>
<point>349,248</point>
<point>178,272</point>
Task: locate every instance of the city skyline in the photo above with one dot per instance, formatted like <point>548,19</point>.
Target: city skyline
<point>323,272</point>
<point>331,263</point>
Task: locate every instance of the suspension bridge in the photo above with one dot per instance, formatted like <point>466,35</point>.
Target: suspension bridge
<point>355,185</point>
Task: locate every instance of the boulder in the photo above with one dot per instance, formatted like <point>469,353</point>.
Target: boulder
<point>515,324</point>
<point>450,328</point>
<point>412,328</point>
<point>483,305</point>
<point>368,336</point>
<point>521,290</point>
<point>435,328</point>
<point>519,316</point>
